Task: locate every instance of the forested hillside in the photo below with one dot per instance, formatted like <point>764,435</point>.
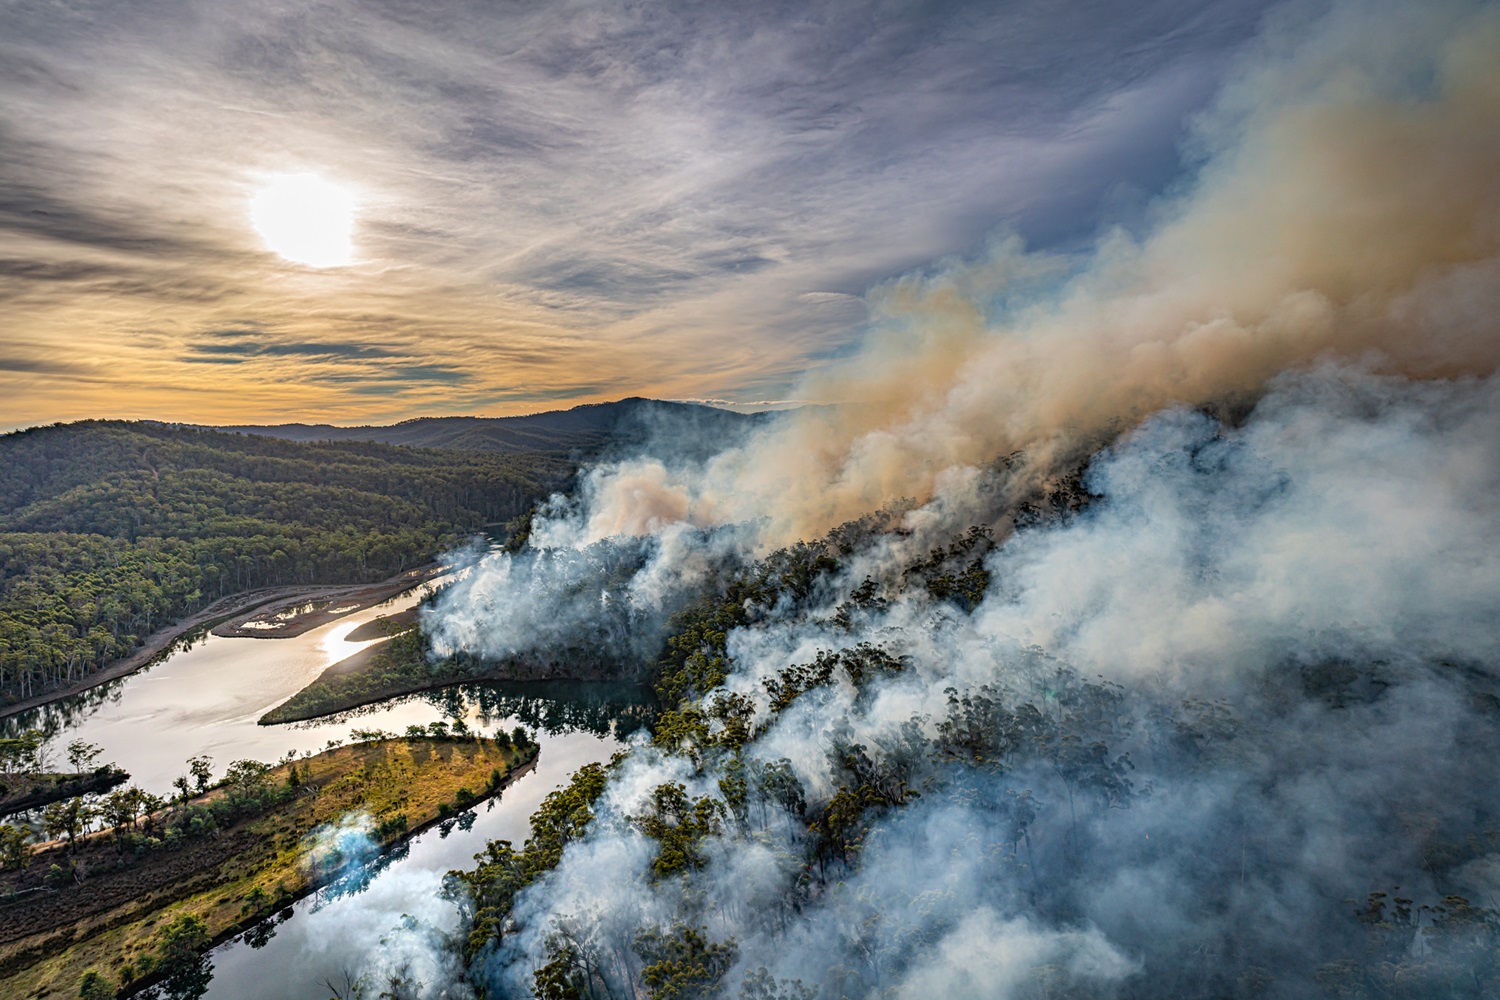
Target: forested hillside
<point>109,529</point>
<point>578,432</point>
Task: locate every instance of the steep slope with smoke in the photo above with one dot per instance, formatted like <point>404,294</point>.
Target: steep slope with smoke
<point>1184,737</point>
<point>1229,729</point>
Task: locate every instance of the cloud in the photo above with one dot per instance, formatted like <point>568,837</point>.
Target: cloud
<point>642,191</point>
<point>1352,215</point>
<point>21,363</point>
<point>370,369</point>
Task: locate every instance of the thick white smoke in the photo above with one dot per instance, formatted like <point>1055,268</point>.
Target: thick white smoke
<point>1263,657</point>
<point>1345,204</point>
<point>1351,520</point>
<point>1355,516</point>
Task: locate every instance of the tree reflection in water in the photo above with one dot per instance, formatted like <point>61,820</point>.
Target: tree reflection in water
<point>188,982</point>
<point>602,708</point>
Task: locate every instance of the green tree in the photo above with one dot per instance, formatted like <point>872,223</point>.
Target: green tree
<point>15,846</point>
<point>679,824</point>
<point>123,807</point>
<point>181,941</point>
<point>82,754</point>
<point>202,770</point>
<point>69,818</point>
<point>94,986</point>
<point>179,957</point>
<point>247,780</point>
<point>23,754</point>
<point>683,964</point>
<point>759,984</point>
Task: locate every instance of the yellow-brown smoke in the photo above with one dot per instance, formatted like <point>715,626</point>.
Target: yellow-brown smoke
<point>1349,209</point>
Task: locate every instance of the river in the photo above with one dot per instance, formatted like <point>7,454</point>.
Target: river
<point>205,696</point>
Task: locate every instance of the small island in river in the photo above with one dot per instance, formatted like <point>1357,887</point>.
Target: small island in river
<point>400,665</point>
<point>22,792</point>
<point>138,903</point>
<point>386,669</point>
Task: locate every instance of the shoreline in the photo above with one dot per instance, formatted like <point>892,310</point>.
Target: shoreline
<point>61,788</point>
<point>139,986</point>
<point>287,618</point>
<point>223,610</point>
<point>364,701</point>
<point>112,931</point>
<point>356,681</point>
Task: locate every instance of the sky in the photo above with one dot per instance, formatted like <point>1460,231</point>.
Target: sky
<point>553,203</point>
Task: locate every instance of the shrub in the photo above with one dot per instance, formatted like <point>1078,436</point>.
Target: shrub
<point>181,941</point>
<point>94,986</point>
<point>393,827</point>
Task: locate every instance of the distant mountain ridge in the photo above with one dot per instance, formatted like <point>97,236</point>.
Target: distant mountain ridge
<point>581,430</point>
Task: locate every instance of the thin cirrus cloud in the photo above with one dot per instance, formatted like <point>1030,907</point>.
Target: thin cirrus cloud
<point>557,202</point>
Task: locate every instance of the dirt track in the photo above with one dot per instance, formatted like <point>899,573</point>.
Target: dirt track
<point>308,608</point>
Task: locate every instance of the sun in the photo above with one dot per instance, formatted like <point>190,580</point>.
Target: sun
<point>306,219</point>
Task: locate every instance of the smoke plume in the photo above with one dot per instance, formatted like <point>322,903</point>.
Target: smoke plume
<point>1302,614</point>
<point>1230,729</point>
<point>1345,203</point>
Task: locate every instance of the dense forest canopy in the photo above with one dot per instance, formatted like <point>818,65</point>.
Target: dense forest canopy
<point>108,529</point>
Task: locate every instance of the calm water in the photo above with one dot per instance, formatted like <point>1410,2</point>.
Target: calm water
<point>205,698</point>
<point>397,915</point>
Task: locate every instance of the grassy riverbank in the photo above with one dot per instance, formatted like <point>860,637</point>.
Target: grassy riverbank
<point>110,916</point>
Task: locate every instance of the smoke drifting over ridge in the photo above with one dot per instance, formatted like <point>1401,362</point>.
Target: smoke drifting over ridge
<point>1346,202</point>
<point>1346,205</point>
<point>1187,731</point>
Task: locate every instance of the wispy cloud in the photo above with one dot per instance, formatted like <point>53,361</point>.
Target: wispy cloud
<point>690,198</point>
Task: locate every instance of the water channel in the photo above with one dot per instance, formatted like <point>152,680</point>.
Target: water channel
<point>205,696</point>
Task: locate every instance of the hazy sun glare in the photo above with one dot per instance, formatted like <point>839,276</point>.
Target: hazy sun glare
<point>305,219</point>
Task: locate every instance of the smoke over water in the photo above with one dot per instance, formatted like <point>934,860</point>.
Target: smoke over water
<point>1178,738</point>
